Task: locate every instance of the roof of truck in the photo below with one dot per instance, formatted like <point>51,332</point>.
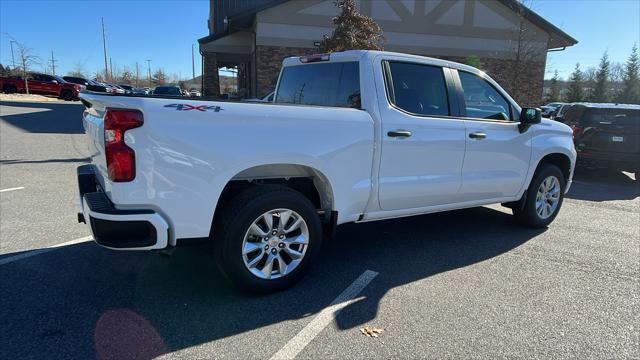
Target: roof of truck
<point>357,55</point>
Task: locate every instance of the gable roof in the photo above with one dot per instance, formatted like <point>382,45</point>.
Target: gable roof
<point>241,14</point>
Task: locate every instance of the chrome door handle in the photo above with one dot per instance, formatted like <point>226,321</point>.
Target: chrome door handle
<point>399,133</point>
<point>478,135</point>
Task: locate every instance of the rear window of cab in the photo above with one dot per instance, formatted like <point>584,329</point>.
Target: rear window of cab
<point>335,84</point>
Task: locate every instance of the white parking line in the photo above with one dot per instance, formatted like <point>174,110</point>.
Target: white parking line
<point>291,349</point>
<point>31,253</point>
<point>12,189</point>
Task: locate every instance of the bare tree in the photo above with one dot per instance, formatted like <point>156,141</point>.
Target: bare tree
<point>78,71</point>
<point>27,59</point>
<point>525,51</point>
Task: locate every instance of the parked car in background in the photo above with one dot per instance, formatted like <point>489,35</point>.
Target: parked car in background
<point>77,80</point>
<point>41,84</point>
<point>373,137</point>
<point>559,114</point>
<point>195,92</point>
<point>146,90</point>
<point>606,135</point>
<point>265,99</point>
<point>550,109</point>
<point>168,90</point>
<point>116,89</point>
<point>96,86</point>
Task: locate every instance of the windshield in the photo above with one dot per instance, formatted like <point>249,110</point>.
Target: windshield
<point>167,90</point>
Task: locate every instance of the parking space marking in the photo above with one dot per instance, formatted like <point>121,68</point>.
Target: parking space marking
<point>31,253</point>
<point>12,189</point>
<point>292,348</point>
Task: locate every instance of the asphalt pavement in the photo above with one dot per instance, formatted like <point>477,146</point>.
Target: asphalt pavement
<point>462,284</point>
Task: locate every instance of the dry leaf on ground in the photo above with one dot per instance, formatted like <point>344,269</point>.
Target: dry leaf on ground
<point>371,332</point>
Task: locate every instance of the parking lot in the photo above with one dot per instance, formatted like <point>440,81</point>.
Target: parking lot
<point>467,283</point>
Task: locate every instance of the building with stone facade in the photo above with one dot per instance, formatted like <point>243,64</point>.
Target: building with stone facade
<point>502,37</point>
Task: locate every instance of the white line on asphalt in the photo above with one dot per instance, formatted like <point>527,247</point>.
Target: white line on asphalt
<point>31,253</point>
<point>12,189</point>
<point>291,349</point>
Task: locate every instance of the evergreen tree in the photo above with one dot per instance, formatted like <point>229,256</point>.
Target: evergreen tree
<point>576,93</point>
<point>159,78</point>
<point>353,31</point>
<point>554,88</point>
<point>630,92</point>
<point>601,88</point>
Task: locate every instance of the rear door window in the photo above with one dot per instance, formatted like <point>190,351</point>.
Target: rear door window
<point>482,100</point>
<point>325,84</point>
<point>418,89</point>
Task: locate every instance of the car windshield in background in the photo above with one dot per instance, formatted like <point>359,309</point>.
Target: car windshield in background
<point>316,84</point>
<point>167,90</point>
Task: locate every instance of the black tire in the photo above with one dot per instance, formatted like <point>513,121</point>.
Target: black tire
<point>234,221</point>
<point>525,212</point>
<point>66,95</point>
<point>10,89</point>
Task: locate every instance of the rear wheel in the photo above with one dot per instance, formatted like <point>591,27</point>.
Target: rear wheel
<point>10,89</point>
<point>266,238</point>
<point>543,199</point>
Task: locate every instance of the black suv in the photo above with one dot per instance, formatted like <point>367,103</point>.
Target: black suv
<point>606,135</point>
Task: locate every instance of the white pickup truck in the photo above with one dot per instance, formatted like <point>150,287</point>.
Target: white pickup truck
<point>349,137</point>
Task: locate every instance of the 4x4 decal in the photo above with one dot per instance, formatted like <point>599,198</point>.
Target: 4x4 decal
<point>185,107</point>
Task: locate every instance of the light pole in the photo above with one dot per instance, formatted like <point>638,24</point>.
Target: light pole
<point>13,60</point>
<point>149,70</point>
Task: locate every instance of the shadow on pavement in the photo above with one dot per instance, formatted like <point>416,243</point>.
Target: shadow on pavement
<point>83,301</point>
<point>61,119</point>
<point>21,161</point>
<point>603,185</point>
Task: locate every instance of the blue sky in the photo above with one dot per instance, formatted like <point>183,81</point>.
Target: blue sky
<point>163,31</point>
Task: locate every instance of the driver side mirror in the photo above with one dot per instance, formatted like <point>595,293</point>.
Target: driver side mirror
<point>54,81</point>
<point>528,117</point>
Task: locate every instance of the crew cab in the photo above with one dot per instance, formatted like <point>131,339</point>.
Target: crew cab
<point>353,136</point>
<point>41,84</point>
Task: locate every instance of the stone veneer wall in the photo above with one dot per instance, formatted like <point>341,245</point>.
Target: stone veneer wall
<point>211,82</point>
<point>269,64</point>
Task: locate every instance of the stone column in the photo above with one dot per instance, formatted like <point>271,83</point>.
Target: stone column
<point>211,83</point>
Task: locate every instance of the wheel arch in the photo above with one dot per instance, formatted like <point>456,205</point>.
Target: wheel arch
<point>309,181</point>
<point>561,160</point>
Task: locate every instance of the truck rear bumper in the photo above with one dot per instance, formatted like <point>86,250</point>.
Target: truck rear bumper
<point>118,229</point>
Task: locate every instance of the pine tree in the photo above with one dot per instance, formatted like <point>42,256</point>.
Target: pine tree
<point>601,91</point>
<point>159,78</point>
<point>576,93</point>
<point>554,88</point>
<point>630,92</point>
<point>353,31</point>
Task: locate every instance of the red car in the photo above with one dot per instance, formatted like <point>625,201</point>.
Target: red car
<point>42,84</point>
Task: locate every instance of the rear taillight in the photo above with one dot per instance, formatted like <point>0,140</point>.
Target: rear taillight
<point>576,130</point>
<point>121,159</point>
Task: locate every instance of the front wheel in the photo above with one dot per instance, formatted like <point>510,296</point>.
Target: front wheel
<point>66,95</point>
<point>266,238</point>
<point>543,198</point>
